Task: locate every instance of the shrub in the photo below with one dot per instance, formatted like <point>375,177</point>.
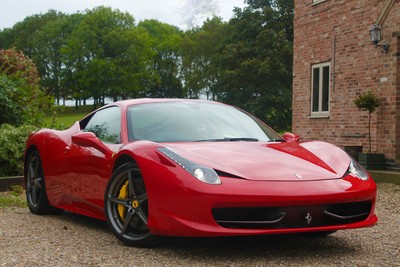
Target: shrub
<point>21,99</point>
<point>367,101</point>
<point>10,111</point>
<point>12,140</point>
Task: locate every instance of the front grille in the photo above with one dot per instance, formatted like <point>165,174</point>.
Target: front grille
<point>292,216</point>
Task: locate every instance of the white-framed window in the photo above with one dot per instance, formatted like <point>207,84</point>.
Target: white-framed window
<point>320,89</point>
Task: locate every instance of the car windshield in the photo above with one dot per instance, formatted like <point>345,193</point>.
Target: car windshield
<point>194,122</point>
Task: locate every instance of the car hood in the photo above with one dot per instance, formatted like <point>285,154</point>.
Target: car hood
<point>284,161</point>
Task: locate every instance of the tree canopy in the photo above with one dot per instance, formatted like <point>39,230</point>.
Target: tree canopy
<point>103,53</point>
<point>256,62</point>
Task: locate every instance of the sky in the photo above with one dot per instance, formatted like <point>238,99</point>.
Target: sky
<point>173,12</point>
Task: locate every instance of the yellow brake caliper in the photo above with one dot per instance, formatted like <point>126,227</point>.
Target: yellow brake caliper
<point>123,194</point>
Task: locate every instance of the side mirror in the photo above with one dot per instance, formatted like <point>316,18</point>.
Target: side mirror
<point>89,139</point>
<point>291,137</point>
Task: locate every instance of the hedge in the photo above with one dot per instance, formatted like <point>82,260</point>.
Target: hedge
<point>12,147</point>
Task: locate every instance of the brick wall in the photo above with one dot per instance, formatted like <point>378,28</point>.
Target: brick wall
<point>337,31</point>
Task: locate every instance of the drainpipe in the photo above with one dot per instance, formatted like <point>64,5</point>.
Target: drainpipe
<point>385,12</point>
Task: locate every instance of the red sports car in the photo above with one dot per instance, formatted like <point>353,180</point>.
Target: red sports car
<point>170,167</point>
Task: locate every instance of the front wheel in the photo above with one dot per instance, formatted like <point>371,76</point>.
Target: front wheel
<point>126,207</point>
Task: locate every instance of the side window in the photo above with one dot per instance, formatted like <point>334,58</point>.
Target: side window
<point>320,90</point>
<point>106,124</point>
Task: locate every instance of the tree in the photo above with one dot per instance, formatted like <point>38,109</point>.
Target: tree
<point>164,77</point>
<point>25,32</point>
<point>107,55</point>
<point>102,53</point>
<point>367,101</point>
<point>256,61</point>
<point>41,37</point>
<point>21,100</point>
<point>201,49</point>
<point>50,41</point>
<point>7,37</point>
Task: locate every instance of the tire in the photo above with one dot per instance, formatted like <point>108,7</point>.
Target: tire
<point>126,207</point>
<point>36,195</point>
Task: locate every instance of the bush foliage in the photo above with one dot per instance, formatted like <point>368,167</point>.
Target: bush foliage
<point>12,140</point>
<point>22,103</point>
<point>367,101</point>
<point>21,100</point>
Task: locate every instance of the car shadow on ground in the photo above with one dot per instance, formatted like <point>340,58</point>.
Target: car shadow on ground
<point>261,246</point>
<point>231,248</point>
<point>83,221</point>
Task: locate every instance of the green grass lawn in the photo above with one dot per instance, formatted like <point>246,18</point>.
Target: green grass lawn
<point>13,198</point>
<point>66,117</point>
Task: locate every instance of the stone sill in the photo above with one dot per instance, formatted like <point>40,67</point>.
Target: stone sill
<point>317,2</point>
<point>322,116</point>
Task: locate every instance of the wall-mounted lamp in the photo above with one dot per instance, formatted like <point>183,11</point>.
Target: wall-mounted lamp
<point>376,36</point>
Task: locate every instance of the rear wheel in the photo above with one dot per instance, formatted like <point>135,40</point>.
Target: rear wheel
<point>36,194</point>
<point>126,207</point>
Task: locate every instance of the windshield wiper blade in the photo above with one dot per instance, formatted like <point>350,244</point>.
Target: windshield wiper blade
<point>246,139</point>
<point>227,139</point>
<point>276,140</point>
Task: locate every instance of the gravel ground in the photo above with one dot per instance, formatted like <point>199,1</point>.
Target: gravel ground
<point>73,240</point>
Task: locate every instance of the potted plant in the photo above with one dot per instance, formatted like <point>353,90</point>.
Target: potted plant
<point>368,101</point>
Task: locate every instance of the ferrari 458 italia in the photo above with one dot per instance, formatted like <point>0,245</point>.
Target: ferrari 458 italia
<point>173,167</point>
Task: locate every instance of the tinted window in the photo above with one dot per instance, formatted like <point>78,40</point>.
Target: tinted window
<point>106,124</point>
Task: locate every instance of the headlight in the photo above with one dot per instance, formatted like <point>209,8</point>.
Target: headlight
<point>358,171</point>
<point>203,173</point>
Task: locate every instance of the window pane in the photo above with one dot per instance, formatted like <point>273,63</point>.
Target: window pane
<point>182,122</point>
<point>106,124</point>
<point>325,89</point>
<point>315,90</point>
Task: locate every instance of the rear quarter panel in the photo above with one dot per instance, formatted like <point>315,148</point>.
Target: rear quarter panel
<point>51,145</point>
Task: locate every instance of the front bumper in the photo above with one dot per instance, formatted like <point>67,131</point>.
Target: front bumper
<point>180,205</point>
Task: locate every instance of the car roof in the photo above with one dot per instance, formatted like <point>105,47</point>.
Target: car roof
<point>130,102</point>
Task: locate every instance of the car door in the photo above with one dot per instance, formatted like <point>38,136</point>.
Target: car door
<point>87,170</point>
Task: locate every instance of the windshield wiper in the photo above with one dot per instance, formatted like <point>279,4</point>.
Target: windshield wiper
<point>276,140</point>
<point>232,139</point>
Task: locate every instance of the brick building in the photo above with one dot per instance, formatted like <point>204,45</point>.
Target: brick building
<point>334,61</point>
